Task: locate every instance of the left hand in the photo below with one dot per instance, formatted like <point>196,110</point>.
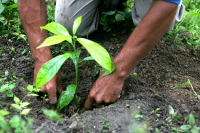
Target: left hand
<point>105,90</point>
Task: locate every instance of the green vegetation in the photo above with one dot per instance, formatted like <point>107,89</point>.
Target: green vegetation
<point>187,32</point>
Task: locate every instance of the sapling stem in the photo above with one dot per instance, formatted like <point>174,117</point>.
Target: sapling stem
<point>76,64</point>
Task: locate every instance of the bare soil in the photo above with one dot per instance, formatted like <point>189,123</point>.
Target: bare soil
<point>163,68</point>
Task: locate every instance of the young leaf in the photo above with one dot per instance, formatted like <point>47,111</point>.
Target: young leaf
<point>57,29</point>
<point>4,112</point>
<point>51,114</point>
<point>194,130</point>
<point>49,69</point>
<point>24,104</point>
<point>30,88</point>
<point>98,53</point>
<point>16,99</point>
<point>16,106</point>
<point>119,17</point>
<point>87,58</point>
<point>66,97</point>
<point>53,40</point>
<point>109,13</point>
<point>186,83</point>
<point>9,93</point>
<point>171,110</point>
<point>25,111</point>
<point>191,120</point>
<point>76,24</point>
<point>11,86</point>
<point>32,94</point>
<point>185,127</point>
<point>2,7</point>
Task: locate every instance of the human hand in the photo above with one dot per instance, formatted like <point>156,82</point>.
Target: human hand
<point>105,90</point>
<point>52,87</point>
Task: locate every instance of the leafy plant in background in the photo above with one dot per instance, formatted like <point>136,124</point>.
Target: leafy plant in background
<point>9,19</point>
<point>110,17</point>
<point>49,69</point>
<point>6,86</point>
<point>128,5</point>
<point>191,127</point>
<point>189,24</point>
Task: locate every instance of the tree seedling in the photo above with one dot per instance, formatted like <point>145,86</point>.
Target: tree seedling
<point>8,89</point>
<point>21,106</point>
<point>172,114</point>
<point>191,127</point>
<point>49,69</point>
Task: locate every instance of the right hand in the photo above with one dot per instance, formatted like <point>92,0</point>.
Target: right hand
<point>52,87</point>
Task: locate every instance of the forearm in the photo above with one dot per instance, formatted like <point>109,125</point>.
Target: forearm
<point>33,14</point>
<point>145,36</point>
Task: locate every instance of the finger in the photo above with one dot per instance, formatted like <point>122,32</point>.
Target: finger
<point>51,90</point>
<point>89,103</point>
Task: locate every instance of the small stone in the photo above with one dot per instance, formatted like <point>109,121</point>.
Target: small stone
<point>127,106</point>
<point>114,131</point>
<point>73,125</point>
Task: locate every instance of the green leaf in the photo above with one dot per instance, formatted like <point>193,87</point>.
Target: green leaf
<point>16,106</point>
<point>51,114</point>
<point>15,121</point>
<point>24,104</point>
<point>49,69</point>
<point>185,127</point>
<point>171,110</point>
<point>66,97</point>
<point>87,58</point>
<point>2,7</point>
<point>57,29</point>
<point>4,88</point>
<point>32,94</point>
<point>191,120</point>
<point>16,99</point>
<point>11,86</point>
<point>119,17</point>
<point>9,93</point>
<point>4,124</point>
<point>4,1</point>
<point>194,130</point>
<point>98,53</point>
<point>30,88</point>
<point>76,24</point>
<point>25,111</point>
<point>186,83</point>
<point>109,13</point>
<point>6,73</point>
<point>108,72</point>
<point>12,6</point>
<point>103,20</point>
<point>53,40</point>
<point>4,112</point>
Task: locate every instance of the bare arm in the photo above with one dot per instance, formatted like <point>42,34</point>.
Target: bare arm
<point>33,14</point>
<point>142,40</point>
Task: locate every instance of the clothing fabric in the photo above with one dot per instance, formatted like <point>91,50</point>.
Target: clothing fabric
<point>68,10</point>
<point>142,6</point>
<point>174,1</point>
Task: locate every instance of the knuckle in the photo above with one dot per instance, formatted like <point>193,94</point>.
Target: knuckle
<point>99,100</point>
